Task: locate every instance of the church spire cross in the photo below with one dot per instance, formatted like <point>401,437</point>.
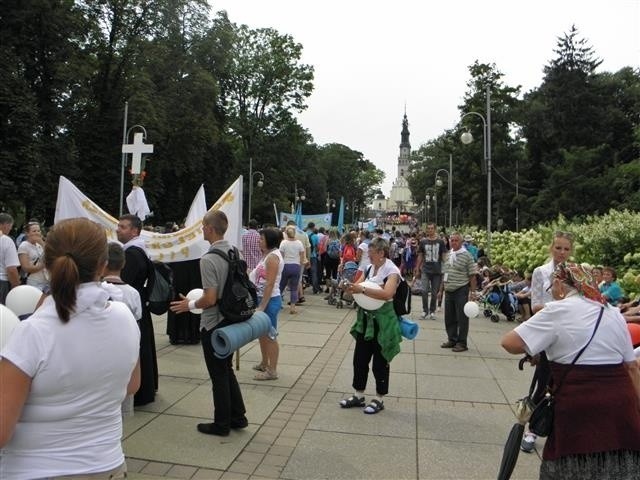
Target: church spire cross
<point>136,149</point>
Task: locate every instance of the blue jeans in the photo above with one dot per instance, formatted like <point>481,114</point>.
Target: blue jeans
<point>430,285</point>
<point>315,272</point>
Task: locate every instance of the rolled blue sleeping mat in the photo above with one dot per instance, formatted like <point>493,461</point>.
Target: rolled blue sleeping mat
<point>227,339</point>
<point>408,328</point>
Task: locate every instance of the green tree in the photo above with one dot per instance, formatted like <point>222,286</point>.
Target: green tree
<point>45,74</point>
<point>569,123</point>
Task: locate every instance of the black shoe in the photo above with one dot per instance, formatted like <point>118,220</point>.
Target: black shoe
<point>239,424</point>
<point>448,344</point>
<point>300,301</point>
<point>213,429</point>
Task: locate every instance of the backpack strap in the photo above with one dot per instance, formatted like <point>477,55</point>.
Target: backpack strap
<point>225,255</point>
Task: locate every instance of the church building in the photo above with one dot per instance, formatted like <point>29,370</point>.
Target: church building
<point>400,197</point>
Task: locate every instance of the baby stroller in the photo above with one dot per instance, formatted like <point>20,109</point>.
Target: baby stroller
<point>499,298</point>
<point>337,295</point>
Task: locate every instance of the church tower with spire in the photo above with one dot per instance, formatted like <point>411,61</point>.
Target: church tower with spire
<point>405,148</point>
<point>400,197</point>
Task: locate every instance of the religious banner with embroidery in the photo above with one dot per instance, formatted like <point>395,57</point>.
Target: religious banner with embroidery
<point>179,246</point>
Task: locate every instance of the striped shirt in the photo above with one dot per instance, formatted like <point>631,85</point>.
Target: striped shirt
<point>457,274</point>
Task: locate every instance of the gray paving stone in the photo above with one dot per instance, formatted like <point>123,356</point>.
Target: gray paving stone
<point>322,455</point>
<point>451,366</point>
<point>185,361</point>
<point>170,391</point>
<point>465,389</point>
<point>398,419</point>
<point>464,422</point>
<point>174,439</point>
<point>260,401</point>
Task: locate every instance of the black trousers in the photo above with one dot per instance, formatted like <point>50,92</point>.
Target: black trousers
<point>364,351</point>
<point>228,404</point>
<point>455,321</point>
<point>148,361</point>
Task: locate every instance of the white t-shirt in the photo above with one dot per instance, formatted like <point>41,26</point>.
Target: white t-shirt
<point>125,293</point>
<point>387,268</point>
<point>35,255</point>
<point>71,421</point>
<point>540,285</point>
<point>8,256</point>
<point>290,250</point>
<point>563,327</point>
<point>364,258</point>
<point>259,274</point>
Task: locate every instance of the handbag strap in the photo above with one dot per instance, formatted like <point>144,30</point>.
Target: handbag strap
<point>555,390</point>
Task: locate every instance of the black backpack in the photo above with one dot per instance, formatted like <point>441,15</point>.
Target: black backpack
<point>239,296</point>
<point>160,289</point>
<point>402,297</point>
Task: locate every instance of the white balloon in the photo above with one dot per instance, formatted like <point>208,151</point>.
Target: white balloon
<point>195,294</point>
<point>23,299</point>
<point>364,300</point>
<point>8,321</point>
<point>471,309</point>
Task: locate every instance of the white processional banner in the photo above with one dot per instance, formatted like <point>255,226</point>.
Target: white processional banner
<point>185,244</point>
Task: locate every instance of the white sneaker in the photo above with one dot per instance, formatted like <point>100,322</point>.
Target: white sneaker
<point>528,442</point>
<point>432,316</point>
<point>424,316</point>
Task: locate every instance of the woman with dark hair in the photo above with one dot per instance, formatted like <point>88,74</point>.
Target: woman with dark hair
<point>610,288</point>
<point>596,425</point>
<point>66,369</point>
<point>30,254</point>
<point>266,277</point>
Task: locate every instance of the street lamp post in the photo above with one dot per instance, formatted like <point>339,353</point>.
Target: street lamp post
<point>467,138</point>
<point>330,203</point>
<point>429,198</point>
<point>260,183</point>
<point>438,183</point>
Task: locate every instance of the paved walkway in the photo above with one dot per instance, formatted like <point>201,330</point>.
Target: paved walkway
<point>447,415</point>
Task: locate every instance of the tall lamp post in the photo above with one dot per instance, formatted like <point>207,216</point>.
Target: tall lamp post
<point>438,183</point>
<point>467,138</point>
<point>330,203</point>
<point>259,184</point>
<point>429,198</point>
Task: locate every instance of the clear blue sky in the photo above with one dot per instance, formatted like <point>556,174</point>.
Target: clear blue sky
<point>372,57</point>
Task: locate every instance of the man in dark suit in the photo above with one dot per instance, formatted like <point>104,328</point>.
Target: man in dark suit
<point>136,272</point>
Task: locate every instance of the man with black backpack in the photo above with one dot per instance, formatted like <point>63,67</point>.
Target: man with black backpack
<point>228,405</point>
<point>138,272</point>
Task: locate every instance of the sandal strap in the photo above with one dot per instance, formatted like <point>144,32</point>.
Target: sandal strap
<point>374,406</point>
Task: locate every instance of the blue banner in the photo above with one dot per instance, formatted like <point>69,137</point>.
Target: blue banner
<point>320,219</point>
